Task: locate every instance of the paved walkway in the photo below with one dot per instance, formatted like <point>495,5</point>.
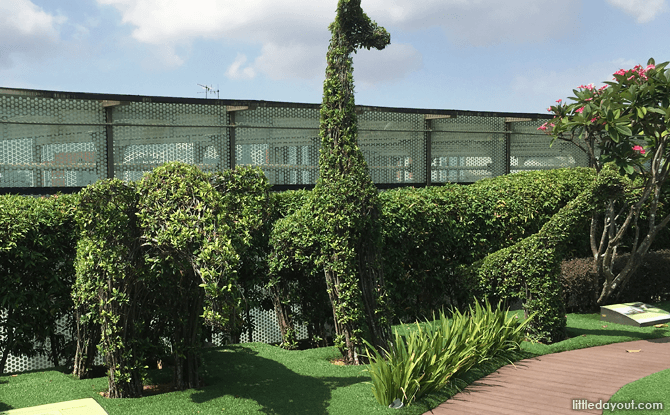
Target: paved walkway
<point>548,384</point>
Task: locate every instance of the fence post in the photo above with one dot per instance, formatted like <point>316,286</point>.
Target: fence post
<point>508,144</point>
<point>109,148</point>
<point>428,126</point>
<point>231,140</point>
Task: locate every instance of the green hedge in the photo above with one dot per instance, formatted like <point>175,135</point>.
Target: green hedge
<point>430,232</point>
<point>37,249</point>
<point>530,269</point>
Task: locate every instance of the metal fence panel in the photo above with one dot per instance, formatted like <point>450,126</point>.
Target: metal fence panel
<point>50,142</point>
<point>284,142</point>
<point>467,148</point>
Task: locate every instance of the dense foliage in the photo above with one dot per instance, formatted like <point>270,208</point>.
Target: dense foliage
<point>425,359</point>
<point>530,268</point>
<point>430,232</point>
<point>111,280</point>
<point>37,248</point>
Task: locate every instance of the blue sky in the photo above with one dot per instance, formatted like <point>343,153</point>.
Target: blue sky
<point>482,55</point>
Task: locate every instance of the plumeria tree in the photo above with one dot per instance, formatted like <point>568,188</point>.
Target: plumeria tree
<point>626,122</point>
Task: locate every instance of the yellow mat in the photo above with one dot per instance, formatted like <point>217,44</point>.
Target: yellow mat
<point>86,406</point>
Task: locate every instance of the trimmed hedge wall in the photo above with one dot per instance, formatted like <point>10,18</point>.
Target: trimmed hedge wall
<point>429,232</point>
<point>530,268</point>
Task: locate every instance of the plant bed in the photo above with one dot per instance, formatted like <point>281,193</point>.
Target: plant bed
<point>260,378</point>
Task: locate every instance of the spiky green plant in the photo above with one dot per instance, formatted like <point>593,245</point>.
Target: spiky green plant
<point>427,358</point>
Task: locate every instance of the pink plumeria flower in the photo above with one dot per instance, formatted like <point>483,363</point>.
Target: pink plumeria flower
<point>559,101</point>
<point>639,149</point>
<point>620,72</point>
<point>652,66</point>
<point>580,110</point>
<point>543,127</point>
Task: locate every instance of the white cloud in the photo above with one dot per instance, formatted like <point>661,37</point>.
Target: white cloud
<point>642,10</point>
<point>234,71</point>
<point>26,30</point>
<point>292,35</point>
<point>162,57</point>
<point>481,22</point>
<point>301,61</point>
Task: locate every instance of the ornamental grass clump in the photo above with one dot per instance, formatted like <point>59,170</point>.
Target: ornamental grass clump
<point>427,358</point>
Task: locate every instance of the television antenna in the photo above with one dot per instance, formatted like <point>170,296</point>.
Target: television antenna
<point>209,89</point>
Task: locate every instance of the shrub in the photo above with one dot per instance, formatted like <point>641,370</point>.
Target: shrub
<point>530,269</point>
<point>650,283</point>
<point>430,232</point>
<point>37,250</point>
<point>111,280</point>
<point>426,359</point>
<point>192,255</point>
<point>245,198</point>
<point>580,285</point>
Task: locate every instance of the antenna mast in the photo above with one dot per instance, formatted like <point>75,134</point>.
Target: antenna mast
<point>209,89</point>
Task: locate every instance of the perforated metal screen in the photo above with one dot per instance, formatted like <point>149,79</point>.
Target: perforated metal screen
<point>530,151</point>
<point>50,141</point>
<point>284,142</point>
<point>394,146</point>
<point>147,134</point>
<point>266,330</point>
<point>467,148</point>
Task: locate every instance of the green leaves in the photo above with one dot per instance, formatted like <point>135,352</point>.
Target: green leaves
<point>37,248</point>
<point>456,225</point>
<point>633,105</point>
<point>424,359</point>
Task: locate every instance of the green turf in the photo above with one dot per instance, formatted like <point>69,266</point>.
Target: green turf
<point>257,378</point>
<point>650,389</point>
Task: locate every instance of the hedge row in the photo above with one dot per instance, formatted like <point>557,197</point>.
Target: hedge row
<point>430,232</point>
<point>37,249</point>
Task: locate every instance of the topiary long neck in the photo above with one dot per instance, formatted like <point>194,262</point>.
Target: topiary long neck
<point>558,229</point>
<point>345,196</point>
<point>340,155</point>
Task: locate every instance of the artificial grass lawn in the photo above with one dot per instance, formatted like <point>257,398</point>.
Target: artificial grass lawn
<point>258,378</point>
<point>650,389</point>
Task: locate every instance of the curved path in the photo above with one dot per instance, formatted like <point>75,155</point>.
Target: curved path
<point>548,384</point>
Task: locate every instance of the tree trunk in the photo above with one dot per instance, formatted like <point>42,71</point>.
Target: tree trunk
<point>344,330</point>
<point>283,312</point>
<point>53,340</point>
<point>186,342</point>
<point>88,337</point>
<point>10,340</point>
